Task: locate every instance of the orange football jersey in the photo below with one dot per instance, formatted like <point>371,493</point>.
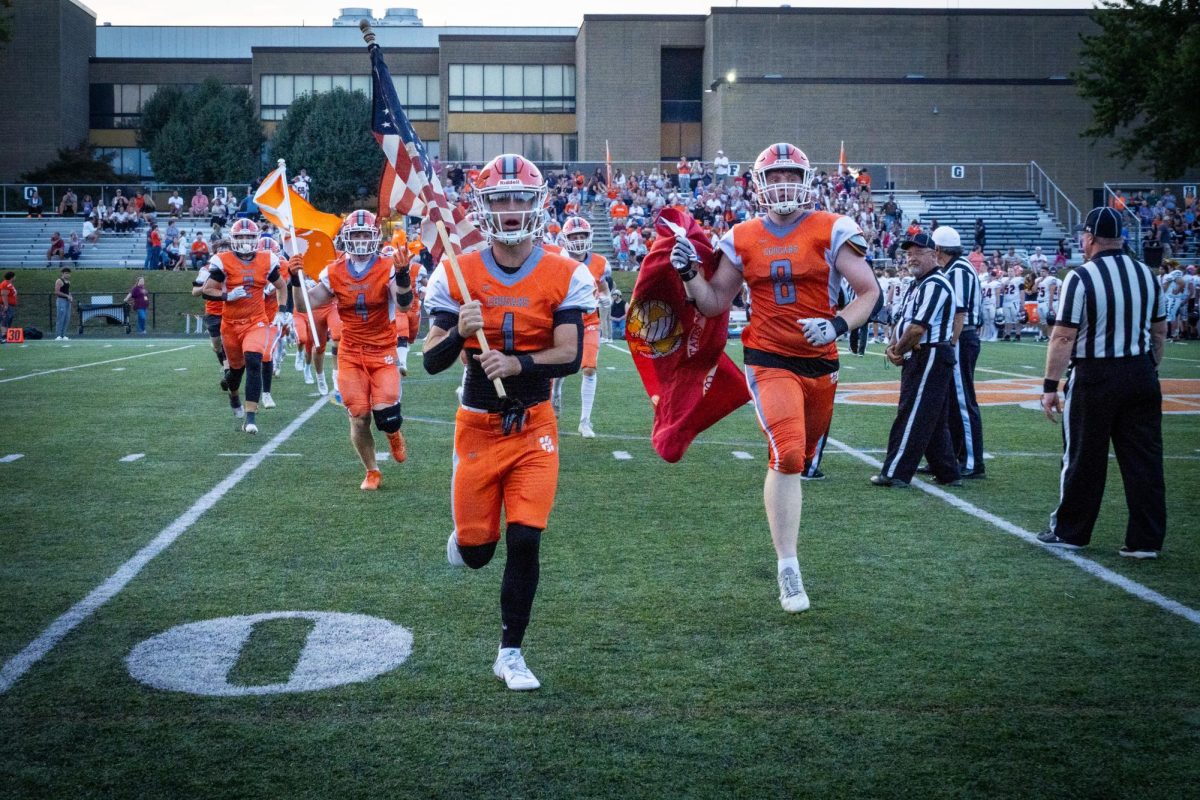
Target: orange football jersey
<point>364,302</point>
<point>271,301</point>
<point>597,265</point>
<point>253,277</point>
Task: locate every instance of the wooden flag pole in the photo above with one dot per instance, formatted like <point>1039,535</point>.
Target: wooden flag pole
<point>287,198</point>
<point>466,295</point>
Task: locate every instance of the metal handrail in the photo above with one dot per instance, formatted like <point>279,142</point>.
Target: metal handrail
<point>1054,199</point>
<point>1132,221</point>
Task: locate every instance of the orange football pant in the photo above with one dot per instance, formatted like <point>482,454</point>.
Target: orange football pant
<point>793,411</point>
<point>368,377</point>
<point>591,346</point>
<point>241,338</point>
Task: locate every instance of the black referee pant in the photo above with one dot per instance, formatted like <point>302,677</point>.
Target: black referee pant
<point>1115,399</point>
<point>926,384</point>
<point>966,426</point>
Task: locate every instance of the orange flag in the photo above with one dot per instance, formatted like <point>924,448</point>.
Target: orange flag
<point>315,230</point>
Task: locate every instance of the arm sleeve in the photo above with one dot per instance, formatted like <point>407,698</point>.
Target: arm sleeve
<point>273,275</point>
<point>324,280</point>
<point>581,293</point>
<point>726,247</point>
<point>201,277</point>
<point>1070,302</point>
<point>437,293</point>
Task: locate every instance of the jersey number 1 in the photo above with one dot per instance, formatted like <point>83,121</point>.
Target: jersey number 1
<point>785,287</point>
<point>508,332</point>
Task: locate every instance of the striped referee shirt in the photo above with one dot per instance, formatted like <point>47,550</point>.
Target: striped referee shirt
<point>930,302</point>
<point>968,296</point>
<point>1112,301</point>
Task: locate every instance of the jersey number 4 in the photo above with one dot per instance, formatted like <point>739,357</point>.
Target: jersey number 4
<point>785,286</point>
<point>360,306</point>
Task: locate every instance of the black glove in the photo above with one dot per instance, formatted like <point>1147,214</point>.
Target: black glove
<point>512,415</point>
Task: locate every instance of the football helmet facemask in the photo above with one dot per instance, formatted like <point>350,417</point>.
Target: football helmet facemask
<point>783,198</point>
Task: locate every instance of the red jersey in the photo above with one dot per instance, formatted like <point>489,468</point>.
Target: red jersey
<point>253,276</point>
<point>8,292</point>
<point>364,302</point>
<point>791,274</point>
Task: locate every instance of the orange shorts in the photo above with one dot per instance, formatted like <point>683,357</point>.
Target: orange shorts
<point>321,317</point>
<point>368,378</point>
<point>335,325</point>
<point>241,338</point>
<point>408,324</point>
<point>274,335</point>
<point>518,473</point>
<point>794,413</point>
<point>591,346</point>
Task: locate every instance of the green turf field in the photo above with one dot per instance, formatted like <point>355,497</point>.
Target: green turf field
<point>942,657</point>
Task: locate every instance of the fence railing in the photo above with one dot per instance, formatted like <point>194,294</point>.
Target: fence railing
<point>14,197</point>
<point>169,312</point>
<point>1054,199</point>
<point>1124,198</point>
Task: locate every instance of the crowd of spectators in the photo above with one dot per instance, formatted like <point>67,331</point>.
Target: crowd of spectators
<point>1167,220</point>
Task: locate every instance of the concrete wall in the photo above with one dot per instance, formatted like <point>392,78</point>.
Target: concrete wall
<point>44,92</point>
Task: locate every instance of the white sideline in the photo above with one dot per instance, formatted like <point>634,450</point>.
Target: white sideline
<point>21,663</point>
<point>95,363</point>
<point>1087,565</point>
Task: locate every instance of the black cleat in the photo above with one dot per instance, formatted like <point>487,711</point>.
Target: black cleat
<point>812,475</point>
<point>976,475</point>
<point>888,483</point>
<point>1051,539</point>
<point>950,482</point>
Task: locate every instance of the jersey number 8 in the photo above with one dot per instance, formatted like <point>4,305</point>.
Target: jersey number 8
<point>785,287</point>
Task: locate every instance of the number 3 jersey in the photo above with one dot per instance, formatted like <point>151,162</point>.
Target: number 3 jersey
<point>791,274</point>
<point>364,301</point>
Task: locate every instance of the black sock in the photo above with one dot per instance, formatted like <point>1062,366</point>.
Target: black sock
<point>235,401</point>
<point>249,417</point>
<point>220,356</point>
<point>521,571</point>
<point>267,376</point>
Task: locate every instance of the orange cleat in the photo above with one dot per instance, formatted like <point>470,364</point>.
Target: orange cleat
<point>372,481</point>
<point>396,445</point>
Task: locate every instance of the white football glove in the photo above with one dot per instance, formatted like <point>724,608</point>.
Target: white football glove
<point>237,293</point>
<point>819,332</point>
<point>280,319</point>
<point>684,258</point>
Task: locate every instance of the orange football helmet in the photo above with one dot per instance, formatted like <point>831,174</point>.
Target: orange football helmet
<point>359,222</point>
<point>510,178</point>
<point>577,236</point>
<point>243,236</point>
<point>783,198</point>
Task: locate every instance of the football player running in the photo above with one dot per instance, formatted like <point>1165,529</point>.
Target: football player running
<point>212,322</point>
<point>239,279</point>
<point>277,319</point>
<point>793,259</point>
<point>530,305</point>
<point>577,243</point>
<point>368,291</point>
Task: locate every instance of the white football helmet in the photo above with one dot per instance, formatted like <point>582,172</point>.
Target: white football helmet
<point>783,198</point>
<point>359,222</point>
<point>576,236</point>
<point>243,237</point>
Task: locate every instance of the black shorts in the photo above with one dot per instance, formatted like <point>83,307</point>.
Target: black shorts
<point>213,323</point>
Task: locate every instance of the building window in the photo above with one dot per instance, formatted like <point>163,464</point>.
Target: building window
<point>545,148</point>
<point>419,94</point>
<point>126,160</point>
<point>522,88</point>
<point>119,105</point>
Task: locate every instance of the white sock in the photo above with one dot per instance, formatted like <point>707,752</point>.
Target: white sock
<point>792,562</point>
<point>587,393</point>
<point>556,388</point>
<point>508,651</point>
<point>402,355</point>
<point>335,386</point>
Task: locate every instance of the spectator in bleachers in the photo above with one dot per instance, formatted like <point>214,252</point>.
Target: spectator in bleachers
<point>1062,254</point>
<point>683,175</point>
<point>1011,259</point>
<point>248,209</point>
<point>69,205</point>
<point>149,209</point>
<point>88,207</point>
<point>980,234</point>
<point>153,248</point>
<point>120,202</point>
<point>139,203</point>
<point>175,203</point>
<point>58,248</point>
<point>200,251</point>
<point>74,248</point>
<point>721,168</point>
<point>977,258</point>
<point>34,203</point>
<point>220,212</point>
<point>174,257</point>
<point>199,207</point>
<point>91,231</point>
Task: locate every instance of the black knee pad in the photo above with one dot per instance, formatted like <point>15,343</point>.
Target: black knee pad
<point>401,341</point>
<point>388,419</point>
<point>477,556</point>
<point>234,378</point>
<point>254,366</point>
<point>523,541</point>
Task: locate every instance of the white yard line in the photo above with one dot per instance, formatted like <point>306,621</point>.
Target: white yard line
<point>1087,565</point>
<point>132,457</point>
<point>616,347</point>
<point>95,363</point>
<point>21,663</point>
<point>621,455</point>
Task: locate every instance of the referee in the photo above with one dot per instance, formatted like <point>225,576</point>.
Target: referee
<point>966,426</point>
<point>1111,328</point>
<point>922,346</point>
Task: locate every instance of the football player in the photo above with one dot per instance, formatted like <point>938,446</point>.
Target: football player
<point>577,242</point>
<point>1011,288</point>
<point>212,322</point>
<point>989,287</point>
<point>1175,295</point>
<point>313,343</point>
<point>276,323</point>
<point>530,305</point>
<point>1047,299</point>
<point>368,290</point>
<point>793,258</point>
<point>238,279</point>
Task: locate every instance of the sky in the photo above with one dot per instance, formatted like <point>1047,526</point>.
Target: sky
<point>521,13</point>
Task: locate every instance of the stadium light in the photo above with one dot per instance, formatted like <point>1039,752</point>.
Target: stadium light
<point>731,76</point>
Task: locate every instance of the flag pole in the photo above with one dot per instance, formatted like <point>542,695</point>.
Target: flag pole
<point>466,295</point>
<point>287,198</point>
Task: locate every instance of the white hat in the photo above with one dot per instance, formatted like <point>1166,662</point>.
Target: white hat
<point>945,236</point>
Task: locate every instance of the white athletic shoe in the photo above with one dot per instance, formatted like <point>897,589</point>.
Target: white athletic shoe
<point>239,413</point>
<point>452,553</point>
<point>585,429</point>
<point>322,386</point>
<point>58,338</point>
<point>510,668</point>
<point>299,361</point>
<point>308,375</point>
<point>277,366</point>
<point>267,400</point>
<point>791,592</point>
<point>250,428</point>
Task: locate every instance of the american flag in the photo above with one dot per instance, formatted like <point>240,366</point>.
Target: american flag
<point>408,185</point>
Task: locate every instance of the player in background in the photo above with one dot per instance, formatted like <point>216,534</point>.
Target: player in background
<point>577,244</point>
<point>1048,286</point>
<point>989,287</point>
<point>879,329</point>
<point>530,306</point>
<point>238,279</point>
<point>277,320</point>
<point>1175,296</point>
<point>1012,287</point>
<point>313,343</point>
<point>368,290</point>
<point>212,323</point>
<point>408,323</point>
<point>793,258</point>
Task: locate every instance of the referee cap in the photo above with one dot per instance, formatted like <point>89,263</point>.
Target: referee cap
<point>1103,223</point>
<point>919,240</point>
<point>945,236</point>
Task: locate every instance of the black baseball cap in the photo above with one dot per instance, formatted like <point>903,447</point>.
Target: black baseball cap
<point>920,240</point>
<point>1103,223</point>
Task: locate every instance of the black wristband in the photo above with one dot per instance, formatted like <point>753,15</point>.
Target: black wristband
<point>688,274</point>
<point>1049,386</point>
<point>405,297</point>
<point>403,279</point>
<point>840,325</point>
<point>526,362</point>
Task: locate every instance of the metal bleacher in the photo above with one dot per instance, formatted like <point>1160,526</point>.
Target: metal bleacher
<point>1013,219</point>
<point>23,242</point>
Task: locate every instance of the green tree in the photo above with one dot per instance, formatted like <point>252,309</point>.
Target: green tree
<point>6,23</point>
<point>1139,75</point>
<point>209,134</point>
<point>78,165</point>
<point>329,134</point>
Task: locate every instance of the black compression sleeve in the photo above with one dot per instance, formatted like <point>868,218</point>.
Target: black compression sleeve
<point>532,369</point>
<point>444,353</point>
<point>216,298</point>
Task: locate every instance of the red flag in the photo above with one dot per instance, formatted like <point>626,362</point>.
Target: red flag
<point>680,353</point>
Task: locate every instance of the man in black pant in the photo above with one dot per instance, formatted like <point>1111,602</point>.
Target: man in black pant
<point>966,426</point>
<point>924,350</point>
<point>1111,327</point>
